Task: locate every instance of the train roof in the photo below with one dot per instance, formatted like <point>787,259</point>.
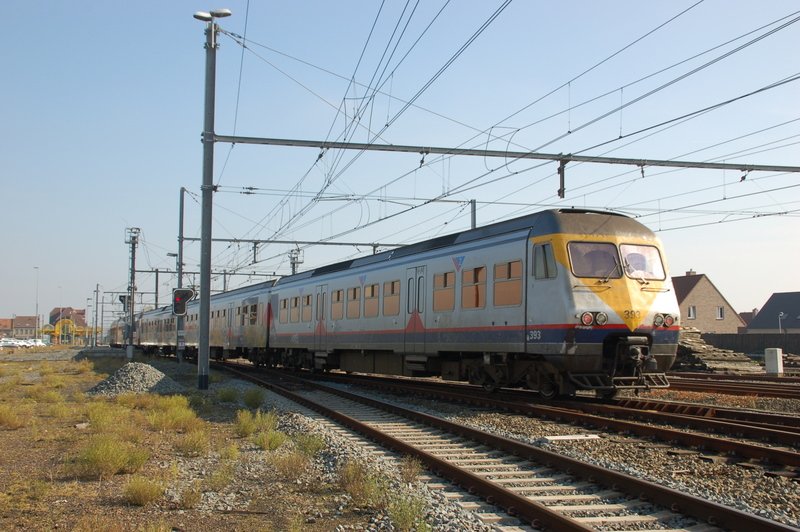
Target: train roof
<point>543,222</point>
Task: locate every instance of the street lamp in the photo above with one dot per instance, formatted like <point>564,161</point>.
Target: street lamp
<point>36,330</point>
<point>780,317</point>
<point>207,190</point>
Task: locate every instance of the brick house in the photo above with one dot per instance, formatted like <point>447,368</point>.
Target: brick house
<point>781,308</point>
<point>703,306</point>
<point>24,327</point>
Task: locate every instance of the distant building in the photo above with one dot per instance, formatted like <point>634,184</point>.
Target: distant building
<point>747,317</point>
<point>24,327</point>
<point>703,306</point>
<point>781,309</point>
<point>6,327</point>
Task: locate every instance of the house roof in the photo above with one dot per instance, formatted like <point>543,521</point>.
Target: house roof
<point>786,302</point>
<point>684,284</point>
<point>24,321</point>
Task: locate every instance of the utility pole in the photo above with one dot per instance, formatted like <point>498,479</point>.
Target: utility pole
<point>156,289</point>
<point>132,238</point>
<point>207,190</point>
<point>96,300</point>
<point>180,335</point>
<point>474,217</point>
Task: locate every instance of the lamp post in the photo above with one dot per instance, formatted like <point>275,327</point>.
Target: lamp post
<point>36,330</point>
<point>207,189</point>
<point>86,320</point>
<point>780,317</point>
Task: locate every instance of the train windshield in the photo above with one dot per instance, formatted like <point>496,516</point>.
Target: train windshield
<point>594,259</point>
<point>642,262</point>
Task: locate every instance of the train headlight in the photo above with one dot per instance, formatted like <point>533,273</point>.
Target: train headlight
<point>587,318</point>
<point>659,320</point>
<point>669,321</point>
<point>601,318</point>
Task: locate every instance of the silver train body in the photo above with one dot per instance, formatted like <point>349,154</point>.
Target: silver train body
<point>558,301</point>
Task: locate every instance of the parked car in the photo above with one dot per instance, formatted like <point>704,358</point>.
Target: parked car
<point>10,342</point>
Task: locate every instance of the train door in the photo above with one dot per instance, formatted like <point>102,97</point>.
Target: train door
<point>320,328</point>
<point>228,341</point>
<point>415,310</point>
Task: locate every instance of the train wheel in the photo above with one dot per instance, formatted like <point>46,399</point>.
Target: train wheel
<point>606,394</point>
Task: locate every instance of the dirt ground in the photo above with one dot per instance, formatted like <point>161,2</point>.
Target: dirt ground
<point>39,489</point>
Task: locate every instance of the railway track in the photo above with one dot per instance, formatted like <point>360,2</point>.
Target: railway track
<point>542,488</point>
<point>787,390</point>
<point>753,430</point>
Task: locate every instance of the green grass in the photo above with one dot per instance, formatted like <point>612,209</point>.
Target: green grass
<point>269,441</point>
<point>290,466</point>
<point>364,487</point>
<point>407,513</point>
<point>105,455</point>
<point>141,491</point>
<point>309,444</point>
<point>9,419</point>
<point>410,468</point>
<point>253,397</point>
<point>227,395</point>
<point>194,443</point>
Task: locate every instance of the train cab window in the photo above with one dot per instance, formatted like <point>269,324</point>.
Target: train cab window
<point>371,297</point>
<point>306,314</point>
<point>642,262</point>
<point>294,310</point>
<point>444,291</point>
<point>354,302</point>
<point>508,283</point>
<point>253,314</point>
<point>337,304</point>
<point>391,298</point>
<point>473,288</point>
<point>594,259</point>
<point>283,314</point>
<point>544,263</point>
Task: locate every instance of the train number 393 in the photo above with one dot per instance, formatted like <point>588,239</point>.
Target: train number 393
<point>534,335</point>
<point>631,314</point>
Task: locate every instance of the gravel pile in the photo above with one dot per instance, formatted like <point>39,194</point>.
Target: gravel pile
<point>135,377</point>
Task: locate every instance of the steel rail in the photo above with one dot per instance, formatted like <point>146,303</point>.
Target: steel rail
<point>678,502</point>
<point>567,414</point>
<point>752,389</point>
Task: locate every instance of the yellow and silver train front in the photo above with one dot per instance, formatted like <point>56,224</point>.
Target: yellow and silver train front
<point>618,325</point>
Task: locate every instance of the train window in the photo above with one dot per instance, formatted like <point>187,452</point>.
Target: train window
<point>283,315</point>
<point>473,288</point>
<point>594,259</point>
<point>391,298</point>
<point>642,262</point>
<point>337,304</point>
<point>508,283</point>
<point>306,316</point>
<point>294,310</point>
<point>544,263</point>
<point>354,302</point>
<point>371,298</point>
<point>253,314</point>
<point>444,291</point>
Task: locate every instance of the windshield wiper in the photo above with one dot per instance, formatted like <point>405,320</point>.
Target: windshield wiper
<point>629,269</point>
<point>608,274</point>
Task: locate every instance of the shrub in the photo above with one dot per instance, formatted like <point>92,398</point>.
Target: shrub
<point>190,496</point>
<point>229,452</point>
<point>290,466</point>
<point>174,415</point>
<point>9,419</point>
<point>364,487</point>
<point>266,421</point>
<point>253,397</point>
<point>194,443</point>
<point>105,416</point>
<point>410,468</point>
<point>105,455</point>
<point>269,441</point>
<point>227,395</point>
<point>141,491</point>
<point>309,444</point>
<point>245,423</point>
<point>406,513</point>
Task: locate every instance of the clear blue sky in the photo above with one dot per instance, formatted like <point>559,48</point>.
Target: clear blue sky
<point>102,108</point>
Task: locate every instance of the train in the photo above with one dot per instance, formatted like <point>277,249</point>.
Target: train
<point>557,301</point>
